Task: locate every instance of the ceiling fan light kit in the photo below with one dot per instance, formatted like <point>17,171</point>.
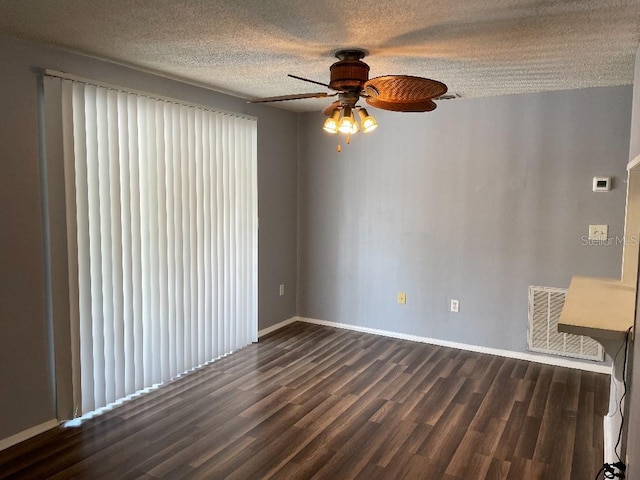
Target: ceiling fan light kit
<point>342,120</point>
<point>349,78</point>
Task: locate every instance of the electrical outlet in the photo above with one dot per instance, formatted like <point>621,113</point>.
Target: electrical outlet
<point>455,305</point>
<point>402,298</point>
<point>281,289</point>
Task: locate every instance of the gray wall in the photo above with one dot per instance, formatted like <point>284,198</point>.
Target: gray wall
<point>26,392</point>
<point>476,201</point>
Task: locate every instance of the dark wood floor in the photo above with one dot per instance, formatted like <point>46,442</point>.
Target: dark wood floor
<point>322,403</point>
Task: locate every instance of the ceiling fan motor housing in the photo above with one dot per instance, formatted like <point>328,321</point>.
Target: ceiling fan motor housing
<point>349,73</point>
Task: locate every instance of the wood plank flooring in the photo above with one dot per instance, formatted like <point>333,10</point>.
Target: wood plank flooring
<point>323,403</point>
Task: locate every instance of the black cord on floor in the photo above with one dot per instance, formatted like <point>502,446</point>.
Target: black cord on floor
<point>610,470</point>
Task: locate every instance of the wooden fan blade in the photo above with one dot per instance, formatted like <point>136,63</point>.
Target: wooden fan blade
<point>403,93</point>
<point>298,96</point>
<point>423,106</point>
<point>313,81</point>
<point>329,110</point>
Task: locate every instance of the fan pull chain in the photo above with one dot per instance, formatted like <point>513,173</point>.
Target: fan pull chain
<point>339,149</point>
<point>349,139</point>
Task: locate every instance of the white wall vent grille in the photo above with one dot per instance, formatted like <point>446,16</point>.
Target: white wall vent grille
<point>545,305</point>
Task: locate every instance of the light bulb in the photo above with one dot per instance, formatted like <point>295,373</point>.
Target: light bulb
<point>347,121</point>
<point>369,123</point>
<point>331,123</point>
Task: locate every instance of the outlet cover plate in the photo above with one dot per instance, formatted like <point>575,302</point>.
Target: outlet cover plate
<point>598,232</point>
<point>455,305</point>
<point>402,298</point>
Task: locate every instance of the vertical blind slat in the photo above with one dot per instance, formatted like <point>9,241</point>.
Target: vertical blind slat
<point>206,240</point>
<point>145,287</point>
<point>84,263</point>
<point>128,381</point>
<point>163,247</point>
<point>66,94</point>
<point>116,325</point>
<point>220,238</point>
<point>185,276</point>
<point>95,258</point>
<point>165,238</point>
<point>226,233</point>
<point>192,247</point>
<point>154,254</point>
<point>169,234</point>
<point>174,267</point>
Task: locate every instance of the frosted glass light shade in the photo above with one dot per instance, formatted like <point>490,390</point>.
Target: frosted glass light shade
<point>331,123</point>
<point>347,121</point>
<point>369,123</point>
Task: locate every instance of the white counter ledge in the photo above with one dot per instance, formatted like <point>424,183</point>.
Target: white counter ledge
<point>601,308</point>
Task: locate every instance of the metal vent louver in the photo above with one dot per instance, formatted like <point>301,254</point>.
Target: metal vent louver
<point>545,305</point>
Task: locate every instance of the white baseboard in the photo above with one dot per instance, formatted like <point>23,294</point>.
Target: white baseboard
<point>555,361</point>
<point>28,433</point>
<point>277,326</point>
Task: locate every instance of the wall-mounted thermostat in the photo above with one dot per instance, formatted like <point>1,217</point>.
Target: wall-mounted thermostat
<point>601,184</point>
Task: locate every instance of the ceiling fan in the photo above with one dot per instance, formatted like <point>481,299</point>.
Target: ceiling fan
<point>350,81</point>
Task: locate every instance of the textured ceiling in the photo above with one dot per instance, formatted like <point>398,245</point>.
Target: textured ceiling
<point>247,47</point>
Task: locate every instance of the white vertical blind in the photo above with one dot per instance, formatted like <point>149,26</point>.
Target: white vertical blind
<point>163,198</point>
